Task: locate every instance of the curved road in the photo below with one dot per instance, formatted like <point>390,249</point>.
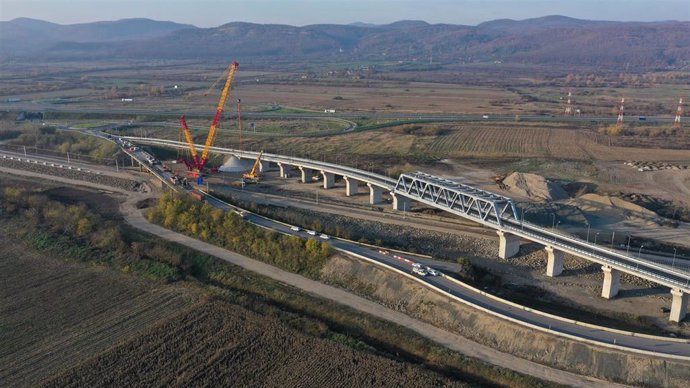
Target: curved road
<point>453,341</point>
<point>450,340</point>
<point>657,344</point>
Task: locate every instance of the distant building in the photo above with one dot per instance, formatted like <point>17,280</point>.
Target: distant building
<point>13,99</point>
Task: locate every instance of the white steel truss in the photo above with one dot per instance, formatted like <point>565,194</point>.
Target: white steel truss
<point>457,198</point>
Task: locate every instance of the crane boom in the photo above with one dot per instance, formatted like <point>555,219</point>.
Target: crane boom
<point>254,175</point>
<point>219,112</point>
<point>190,140</point>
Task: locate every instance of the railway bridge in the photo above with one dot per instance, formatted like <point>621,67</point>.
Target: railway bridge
<point>486,208</point>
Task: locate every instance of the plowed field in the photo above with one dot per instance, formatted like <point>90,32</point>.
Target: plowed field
<point>220,344</point>
<point>526,142</point>
<point>54,315</point>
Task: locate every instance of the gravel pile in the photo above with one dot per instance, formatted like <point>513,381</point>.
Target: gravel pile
<point>121,183</point>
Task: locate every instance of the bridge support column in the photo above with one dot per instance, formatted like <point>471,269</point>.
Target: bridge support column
<point>282,170</point>
<point>132,157</point>
<point>508,244</point>
<point>554,264</point>
<point>400,202</point>
<point>374,194</point>
<point>307,174</point>
<point>328,179</point>
<point>679,305</point>
<point>612,281</point>
<point>351,186</point>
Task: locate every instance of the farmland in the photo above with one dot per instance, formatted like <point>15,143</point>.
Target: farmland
<point>56,314</point>
<point>204,347</point>
<point>74,314</point>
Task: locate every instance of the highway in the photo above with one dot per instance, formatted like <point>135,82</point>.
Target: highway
<point>598,335</point>
<point>175,113</point>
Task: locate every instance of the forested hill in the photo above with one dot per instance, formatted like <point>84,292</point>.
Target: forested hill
<point>551,40</point>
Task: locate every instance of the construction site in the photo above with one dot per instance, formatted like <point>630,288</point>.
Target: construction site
<point>530,231</point>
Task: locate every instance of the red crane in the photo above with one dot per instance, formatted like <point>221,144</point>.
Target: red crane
<point>196,164</point>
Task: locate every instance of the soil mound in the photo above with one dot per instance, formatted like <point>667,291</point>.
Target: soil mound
<point>615,202</point>
<point>534,187</point>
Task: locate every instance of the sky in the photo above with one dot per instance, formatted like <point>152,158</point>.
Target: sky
<point>212,13</point>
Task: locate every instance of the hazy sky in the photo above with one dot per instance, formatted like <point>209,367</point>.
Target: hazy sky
<point>211,13</point>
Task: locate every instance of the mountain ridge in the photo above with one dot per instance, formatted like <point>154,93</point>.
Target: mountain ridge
<point>548,40</point>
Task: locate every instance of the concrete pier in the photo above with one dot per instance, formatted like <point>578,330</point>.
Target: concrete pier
<point>508,244</point>
<point>374,194</point>
<point>554,263</point>
<point>612,281</point>
<point>679,305</point>
<point>328,179</point>
<point>307,174</point>
<point>351,186</point>
<point>281,167</point>
<point>400,203</point>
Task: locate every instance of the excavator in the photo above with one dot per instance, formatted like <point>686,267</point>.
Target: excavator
<point>196,165</point>
<point>254,175</point>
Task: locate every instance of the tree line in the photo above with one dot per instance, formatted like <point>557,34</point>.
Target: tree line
<point>229,230</point>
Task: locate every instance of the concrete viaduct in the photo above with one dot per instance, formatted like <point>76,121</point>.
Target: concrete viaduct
<point>486,208</point>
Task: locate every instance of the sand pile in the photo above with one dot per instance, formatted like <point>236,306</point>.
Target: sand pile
<point>232,164</point>
<point>615,202</point>
<point>534,186</point>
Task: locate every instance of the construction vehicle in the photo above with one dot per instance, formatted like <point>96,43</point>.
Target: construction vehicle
<point>254,175</point>
<point>498,179</point>
<point>196,165</point>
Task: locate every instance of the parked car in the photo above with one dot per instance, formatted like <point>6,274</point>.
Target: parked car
<point>295,229</point>
<point>324,236</point>
<point>311,232</point>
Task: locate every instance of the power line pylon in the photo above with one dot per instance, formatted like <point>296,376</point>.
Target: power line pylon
<point>619,120</point>
<point>679,113</point>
